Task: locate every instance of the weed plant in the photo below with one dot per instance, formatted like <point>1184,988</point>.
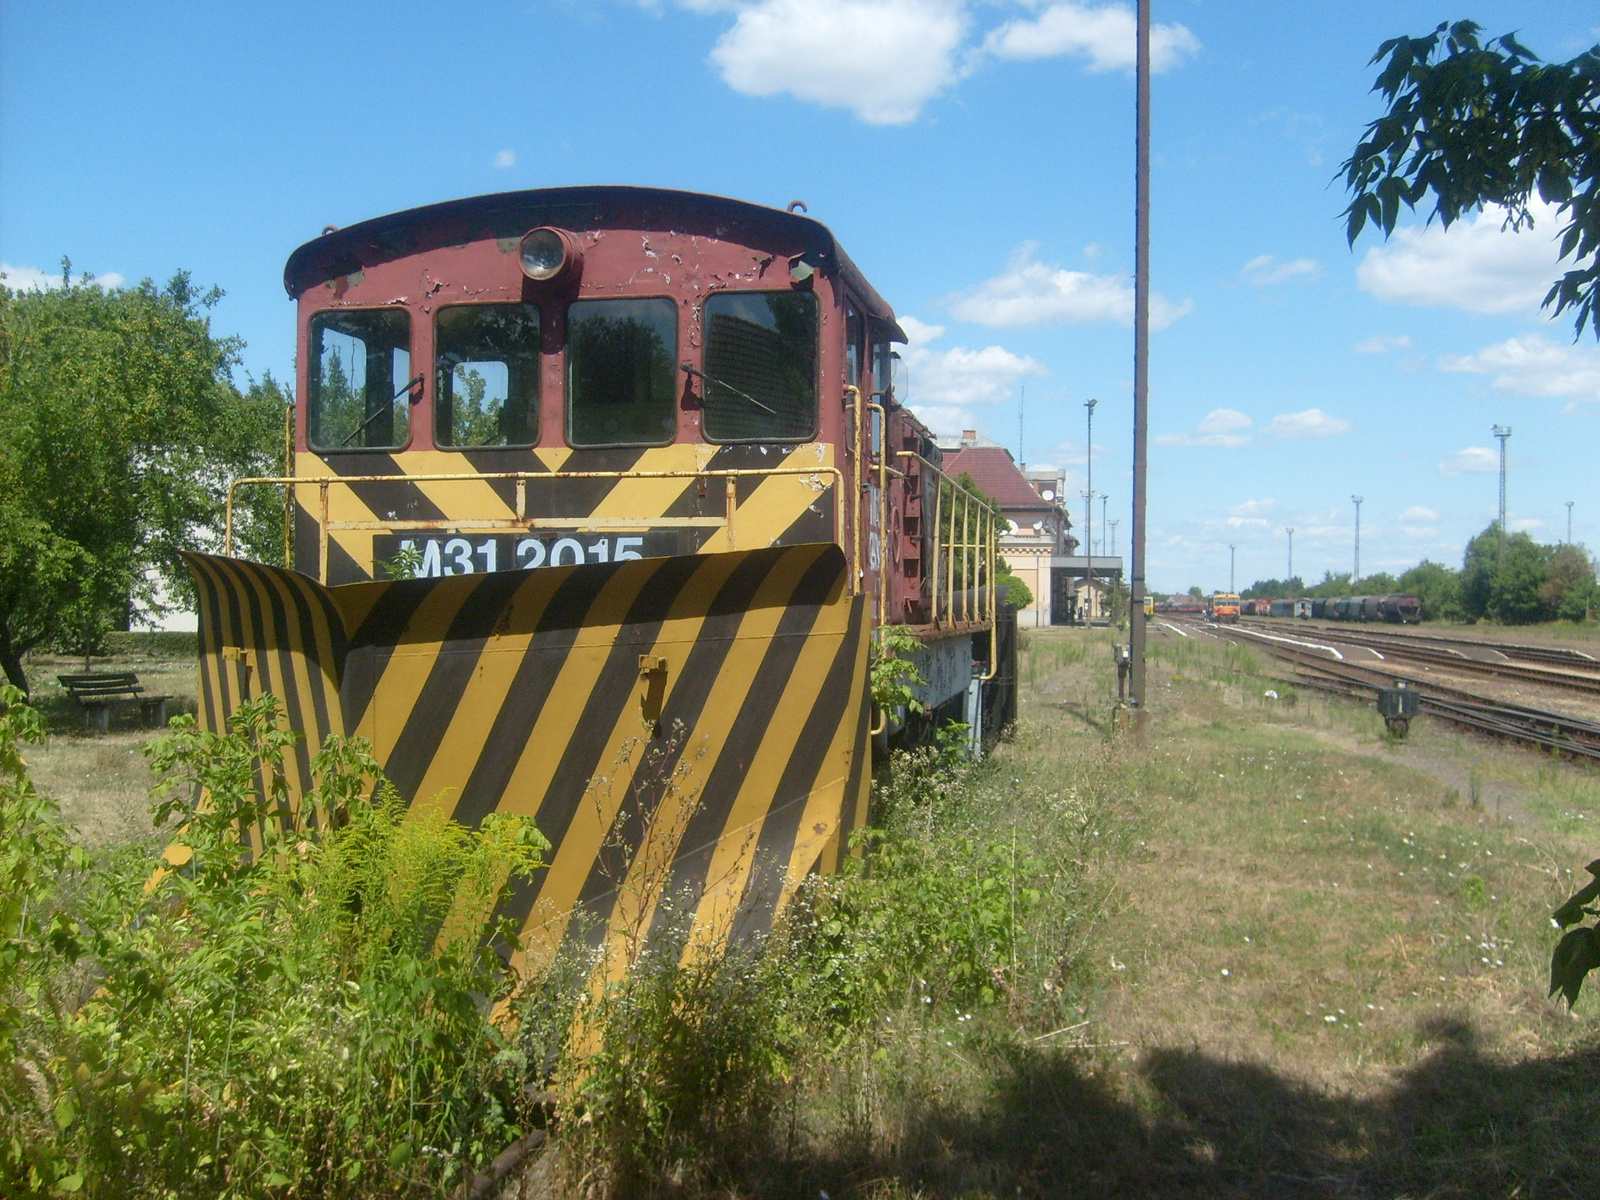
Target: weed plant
<point>321,1010</point>
<point>312,1017</point>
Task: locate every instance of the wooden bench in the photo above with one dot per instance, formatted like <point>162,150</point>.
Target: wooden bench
<point>99,693</point>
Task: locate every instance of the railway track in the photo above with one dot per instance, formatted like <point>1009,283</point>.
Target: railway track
<point>1444,653</point>
<point>1522,651</point>
<point>1551,731</point>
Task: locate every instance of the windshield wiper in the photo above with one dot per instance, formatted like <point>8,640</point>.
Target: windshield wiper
<point>378,412</point>
<point>688,370</point>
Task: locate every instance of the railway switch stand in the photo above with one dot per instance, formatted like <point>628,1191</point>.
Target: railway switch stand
<point>1397,706</point>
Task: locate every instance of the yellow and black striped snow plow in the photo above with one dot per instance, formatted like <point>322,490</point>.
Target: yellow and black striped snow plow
<point>690,732</point>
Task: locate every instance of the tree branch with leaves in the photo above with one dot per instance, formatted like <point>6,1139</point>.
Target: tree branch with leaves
<point>1472,123</point>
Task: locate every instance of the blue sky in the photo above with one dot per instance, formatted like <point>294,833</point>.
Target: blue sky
<point>974,156</point>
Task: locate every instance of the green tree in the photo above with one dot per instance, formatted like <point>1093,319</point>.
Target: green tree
<point>1568,591</point>
<point>1331,585</point>
<point>1471,123</point>
<point>1274,589</point>
<point>119,427</point>
<point>1020,594</point>
<point>1477,572</point>
<point>1437,586</point>
<point>1517,584</point>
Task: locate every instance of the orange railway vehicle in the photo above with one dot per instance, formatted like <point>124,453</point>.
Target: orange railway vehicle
<point>1223,608</point>
<point>598,495</point>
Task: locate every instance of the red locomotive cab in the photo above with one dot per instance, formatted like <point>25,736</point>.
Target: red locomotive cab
<point>664,372</point>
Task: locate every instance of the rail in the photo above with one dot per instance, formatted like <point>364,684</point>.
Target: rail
<point>520,519</point>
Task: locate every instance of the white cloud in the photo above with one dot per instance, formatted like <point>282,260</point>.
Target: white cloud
<point>1474,460</point>
<point>1036,293</point>
<point>1525,524</point>
<point>1253,508</point>
<point>884,59</point>
<point>505,158</point>
<point>1104,36</point>
<point>1534,366</point>
<point>1311,423</point>
<point>1476,264</point>
<point>1380,343</point>
<point>1417,514</point>
<point>1264,270</point>
<point>943,386</point>
<point>1248,522</point>
<point>31,279</point>
<point>1219,427</point>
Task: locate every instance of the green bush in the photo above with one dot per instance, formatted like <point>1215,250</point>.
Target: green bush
<point>154,643</point>
<point>310,1018</point>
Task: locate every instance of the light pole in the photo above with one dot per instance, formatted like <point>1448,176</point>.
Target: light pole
<point>1503,432</point>
<point>1232,591</point>
<point>1114,523</point>
<point>1088,508</point>
<point>1356,500</point>
<point>1141,344</point>
<point>1570,503</point>
<point>1289,529</point>
<point>1104,499</point>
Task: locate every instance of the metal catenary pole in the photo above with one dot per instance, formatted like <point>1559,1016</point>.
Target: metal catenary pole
<point>1141,352</point>
<point>1289,529</point>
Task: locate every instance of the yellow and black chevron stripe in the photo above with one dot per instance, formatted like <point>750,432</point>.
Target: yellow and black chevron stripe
<point>664,487</point>
<point>689,732</point>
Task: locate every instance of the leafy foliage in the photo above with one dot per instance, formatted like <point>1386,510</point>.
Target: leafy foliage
<point>309,1018</point>
<point>118,426</point>
<point>892,677</point>
<point>1437,586</point>
<point>1578,951</point>
<point>1471,123</point>
<point>1517,581</point>
<point>1020,594</point>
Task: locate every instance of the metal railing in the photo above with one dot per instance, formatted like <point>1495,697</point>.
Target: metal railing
<point>964,540</point>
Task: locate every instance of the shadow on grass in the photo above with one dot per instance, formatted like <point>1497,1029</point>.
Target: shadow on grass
<point>1456,1125</point>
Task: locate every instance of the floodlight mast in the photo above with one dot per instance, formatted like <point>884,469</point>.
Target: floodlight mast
<point>1141,352</point>
<point>1503,432</point>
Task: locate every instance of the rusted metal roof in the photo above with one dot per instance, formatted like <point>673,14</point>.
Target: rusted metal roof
<point>511,214</point>
<point>997,476</point>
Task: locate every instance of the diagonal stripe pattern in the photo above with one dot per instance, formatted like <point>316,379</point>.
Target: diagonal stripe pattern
<point>689,732</point>
<point>665,482</point>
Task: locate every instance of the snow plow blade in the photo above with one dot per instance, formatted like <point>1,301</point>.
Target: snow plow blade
<point>689,732</point>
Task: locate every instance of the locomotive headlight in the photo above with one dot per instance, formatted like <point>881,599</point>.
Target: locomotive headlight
<point>548,254</point>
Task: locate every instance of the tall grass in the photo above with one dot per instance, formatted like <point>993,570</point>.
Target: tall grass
<point>326,1015</point>
<point>312,1018</point>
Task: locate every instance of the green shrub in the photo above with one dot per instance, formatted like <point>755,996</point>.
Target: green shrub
<point>310,1018</point>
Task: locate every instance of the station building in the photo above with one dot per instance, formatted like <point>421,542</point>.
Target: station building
<point>1037,531</point>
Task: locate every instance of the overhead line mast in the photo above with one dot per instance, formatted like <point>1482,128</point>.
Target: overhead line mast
<point>1141,353</point>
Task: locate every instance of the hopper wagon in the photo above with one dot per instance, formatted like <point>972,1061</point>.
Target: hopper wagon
<point>596,497</point>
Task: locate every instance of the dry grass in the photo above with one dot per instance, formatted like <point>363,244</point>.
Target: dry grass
<point>101,780</point>
<point>1324,975</point>
<point>1321,972</point>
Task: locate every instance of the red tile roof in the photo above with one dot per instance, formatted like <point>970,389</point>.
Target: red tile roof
<point>997,476</point>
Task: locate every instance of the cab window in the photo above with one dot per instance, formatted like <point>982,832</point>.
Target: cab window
<point>761,366</point>
<point>882,371</point>
<point>359,382</point>
<point>621,372</point>
<point>852,346</point>
<point>486,364</point>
